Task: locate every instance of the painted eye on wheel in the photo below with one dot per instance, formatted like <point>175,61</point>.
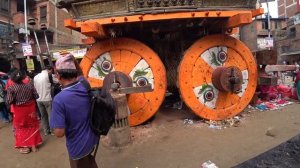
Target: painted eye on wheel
<point>208,95</point>
<point>106,66</point>
<point>222,56</point>
<point>142,81</point>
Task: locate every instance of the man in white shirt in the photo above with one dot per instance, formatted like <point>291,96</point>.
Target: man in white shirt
<point>43,87</point>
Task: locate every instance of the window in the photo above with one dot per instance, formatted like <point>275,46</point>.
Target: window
<point>278,25</point>
<point>43,14</point>
<point>292,32</point>
<point>20,7</point>
<point>4,6</point>
<point>264,24</point>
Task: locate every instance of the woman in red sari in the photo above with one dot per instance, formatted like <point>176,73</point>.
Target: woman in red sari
<point>22,97</point>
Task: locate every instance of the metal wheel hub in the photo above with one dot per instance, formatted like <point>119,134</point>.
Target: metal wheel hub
<point>117,77</point>
<point>227,79</point>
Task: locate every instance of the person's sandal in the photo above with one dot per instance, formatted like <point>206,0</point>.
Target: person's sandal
<point>24,150</point>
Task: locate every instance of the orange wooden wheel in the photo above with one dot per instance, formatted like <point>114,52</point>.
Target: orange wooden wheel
<point>136,60</point>
<point>196,71</point>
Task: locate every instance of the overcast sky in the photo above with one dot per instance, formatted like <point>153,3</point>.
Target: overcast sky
<point>273,8</point>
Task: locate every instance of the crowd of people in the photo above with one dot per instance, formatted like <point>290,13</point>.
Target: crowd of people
<point>53,102</point>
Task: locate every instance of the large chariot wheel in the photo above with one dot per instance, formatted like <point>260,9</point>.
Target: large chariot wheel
<point>217,77</point>
<point>137,61</point>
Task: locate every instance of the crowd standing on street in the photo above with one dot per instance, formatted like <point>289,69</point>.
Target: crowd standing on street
<point>21,95</point>
<point>4,113</point>
<point>70,115</point>
<point>42,85</point>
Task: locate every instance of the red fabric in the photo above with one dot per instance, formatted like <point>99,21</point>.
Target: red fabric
<point>285,91</point>
<point>26,125</point>
<point>268,92</point>
<point>272,92</point>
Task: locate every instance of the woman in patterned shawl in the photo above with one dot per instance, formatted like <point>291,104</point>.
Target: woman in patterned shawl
<point>22,97</point>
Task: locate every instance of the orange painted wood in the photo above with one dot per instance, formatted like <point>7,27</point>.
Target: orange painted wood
<point>125,54</point>
<point>201,73</point>
<point>89,40</point>
<point>226,99</point>
<point>116,59</point>
<point>129,60</point>
<point>234,59</point>
<point>93,29</point>
<point>136,102</point>
<point>70,23</point>
<point>227,104</point>
<point>239,20</point>
<point>257,12</point>
<point>165,16</point>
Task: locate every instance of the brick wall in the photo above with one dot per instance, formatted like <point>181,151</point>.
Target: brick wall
<point>287,8</point>
<point>61,34</point>
<point>248,35</point>
<point>64,35</point>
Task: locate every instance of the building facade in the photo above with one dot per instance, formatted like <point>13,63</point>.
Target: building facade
<point>44,19</point>
<point>256,37</point>
<point>6,34</point>
<point>288,39</point>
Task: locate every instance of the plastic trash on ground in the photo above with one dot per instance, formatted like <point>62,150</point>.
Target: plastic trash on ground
<point>209,164</point>
<point>215,126</point>
<point>188,121</point>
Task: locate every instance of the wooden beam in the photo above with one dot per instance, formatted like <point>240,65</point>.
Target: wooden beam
<point>239,20</point>
<point>166,16</point>
<point>257,12</point>
<point>89,40</point>
<point>71,24</point>
<point>93,29</point>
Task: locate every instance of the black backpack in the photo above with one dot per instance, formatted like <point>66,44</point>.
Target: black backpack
<point>102,109</point>
<point>55,88</point>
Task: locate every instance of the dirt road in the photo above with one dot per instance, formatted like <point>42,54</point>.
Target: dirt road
<point>167,142</point>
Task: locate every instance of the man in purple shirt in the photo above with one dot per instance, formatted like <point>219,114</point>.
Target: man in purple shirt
<point>69,115</point>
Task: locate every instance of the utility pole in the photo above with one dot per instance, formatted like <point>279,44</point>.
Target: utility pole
<point>25,18</point>
<point>44,29</point>
<point>268,17</point>
<point>32,23</point>
<point>269,25</point>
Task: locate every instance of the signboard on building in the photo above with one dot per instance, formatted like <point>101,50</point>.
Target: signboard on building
<point>269,42</point>
<point>78,53</point>
<point>23,31</point>
<point>30,64</point>
<point>265,43</point>
<point>27,50</point>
